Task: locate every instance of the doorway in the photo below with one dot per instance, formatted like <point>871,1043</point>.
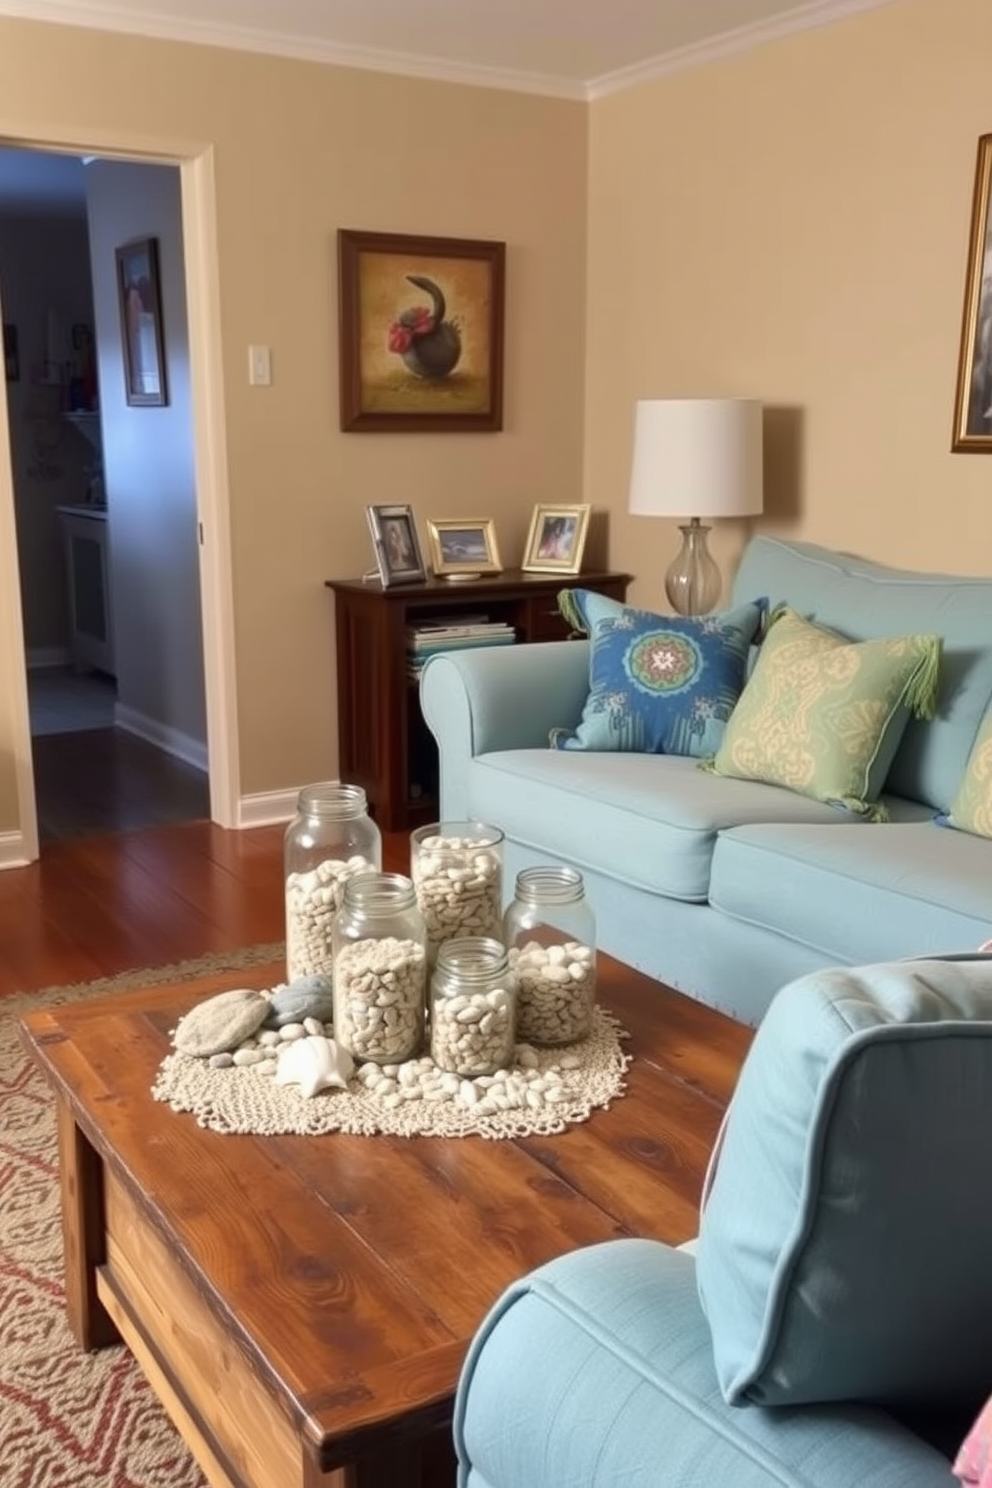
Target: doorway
<point>211,790</point>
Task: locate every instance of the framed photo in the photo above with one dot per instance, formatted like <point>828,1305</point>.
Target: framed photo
<point>556,539</point>
<point>973,403</point>
<point>420,333</point>
<point>141,323</point>
<point>397,549</point>
<point>464,548</point>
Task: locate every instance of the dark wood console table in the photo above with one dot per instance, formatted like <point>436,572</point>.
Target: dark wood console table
<point>383,743</point>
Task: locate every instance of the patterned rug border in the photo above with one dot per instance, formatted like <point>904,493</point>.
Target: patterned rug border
<point>12,1004</point>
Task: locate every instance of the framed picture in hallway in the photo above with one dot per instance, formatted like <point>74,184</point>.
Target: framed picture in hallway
<point>973,403</point>
<point>140,298</point>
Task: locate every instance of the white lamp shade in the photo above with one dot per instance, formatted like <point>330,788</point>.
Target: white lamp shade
<point>697,457</point>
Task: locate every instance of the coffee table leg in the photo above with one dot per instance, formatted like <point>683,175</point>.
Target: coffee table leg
<point>81,1184</point>
<point>426,1464</point>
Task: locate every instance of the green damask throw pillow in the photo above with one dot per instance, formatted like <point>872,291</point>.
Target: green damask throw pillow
<point>823,715</point>
<point>971,809</point>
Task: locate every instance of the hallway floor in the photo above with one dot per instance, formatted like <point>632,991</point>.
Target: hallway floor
<point>91,777</point>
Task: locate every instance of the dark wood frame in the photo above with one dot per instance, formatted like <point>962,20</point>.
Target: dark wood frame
<point>137,261</point>
<point>418,404</point>
<point>973,399</point>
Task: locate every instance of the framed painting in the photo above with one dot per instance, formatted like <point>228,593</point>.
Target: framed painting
<point>397,548</point>
<point>556,539</point>
<point>140,298</point>
<point>420,333</point>
<point>973,402</point>
<point>463,548</point>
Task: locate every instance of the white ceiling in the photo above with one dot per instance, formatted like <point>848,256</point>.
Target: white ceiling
<point>571,48</point>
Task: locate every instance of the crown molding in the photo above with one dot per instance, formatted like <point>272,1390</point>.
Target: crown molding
<point>730,44</point>
<point>161,27</point>
<point>281,44</point>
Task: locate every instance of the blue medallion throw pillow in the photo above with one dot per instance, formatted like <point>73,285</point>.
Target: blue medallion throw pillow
<point>658,684</point>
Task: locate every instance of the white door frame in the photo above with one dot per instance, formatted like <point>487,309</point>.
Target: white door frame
<point>196,167</point>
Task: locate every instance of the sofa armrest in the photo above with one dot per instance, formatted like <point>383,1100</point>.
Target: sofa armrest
<point>499,697</point>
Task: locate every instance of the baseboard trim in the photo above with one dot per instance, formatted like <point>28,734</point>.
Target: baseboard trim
<point>183,746</point>
<point>267,808</point>
<point>44,657</point>
<point>12,851</point>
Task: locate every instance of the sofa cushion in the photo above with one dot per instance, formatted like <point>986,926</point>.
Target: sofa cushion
<point>846,1233</point>
<point>597,1369</point>
<point>971,809</point>
<point>865,599</point>
<point>660,683</point>
<point>650,820</point>
<point>858,892</point>
<point>823,715</point>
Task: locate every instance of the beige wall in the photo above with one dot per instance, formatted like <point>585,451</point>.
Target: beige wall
<point>792,225</point>
<point>300,150</point>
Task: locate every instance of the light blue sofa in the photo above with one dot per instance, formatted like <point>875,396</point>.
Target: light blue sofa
<point>831,1328</point>
<point>727,889</point>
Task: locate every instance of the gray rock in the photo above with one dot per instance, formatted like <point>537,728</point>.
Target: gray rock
<point>307,997</point>
<point>220,1023</point>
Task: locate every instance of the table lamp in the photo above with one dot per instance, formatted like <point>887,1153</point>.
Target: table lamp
<point>696,457</point>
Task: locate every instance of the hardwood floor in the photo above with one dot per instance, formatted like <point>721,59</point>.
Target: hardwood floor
<point>95,905</point>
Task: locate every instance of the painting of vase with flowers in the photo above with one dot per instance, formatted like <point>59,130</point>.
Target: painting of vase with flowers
<point>421,332</point>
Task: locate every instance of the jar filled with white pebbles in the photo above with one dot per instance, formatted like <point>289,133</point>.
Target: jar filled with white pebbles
<point>380,969</point>
<point>550,934</point>
<point>331,838</point>
<point>458,871</point>
<point>473,1007</point>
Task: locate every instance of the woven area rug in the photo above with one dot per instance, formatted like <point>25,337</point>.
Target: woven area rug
<point>68,1419</point>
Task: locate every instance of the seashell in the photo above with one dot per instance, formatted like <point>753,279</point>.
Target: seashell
<point>306,997</point>
<point>220,1023</point>
<point>314,1064</point>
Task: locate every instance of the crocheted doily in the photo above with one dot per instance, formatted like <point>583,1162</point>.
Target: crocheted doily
<point>240,1100</point>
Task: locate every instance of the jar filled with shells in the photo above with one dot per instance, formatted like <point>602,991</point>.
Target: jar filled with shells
<point>550,934</point>
<point>379,969</point>
<point>458,871</point>
<point>331,838</point>
<point>473,1007</point>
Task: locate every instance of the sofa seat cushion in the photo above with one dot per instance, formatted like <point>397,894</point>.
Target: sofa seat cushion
<point>646,819</point>
<point>860,892</point>
<point>846,1232</point>
<point>866,600</point>
<point>597,1369</point>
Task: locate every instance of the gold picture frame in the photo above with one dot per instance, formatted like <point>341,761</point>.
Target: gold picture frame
<point>397,547</point>
<point>556,539</point>
<point>973,399</point>
<point>420,333</point>
<point>463,547</point>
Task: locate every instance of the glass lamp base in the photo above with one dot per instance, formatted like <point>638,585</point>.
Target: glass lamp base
<point>693,582</point>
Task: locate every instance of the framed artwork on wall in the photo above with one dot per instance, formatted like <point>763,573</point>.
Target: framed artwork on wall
<point>973,402</point>
<point>420,333</point>
<point>140,297</point>
<point>397,548</point>
<point>556,539</point>
<point>463,548</point>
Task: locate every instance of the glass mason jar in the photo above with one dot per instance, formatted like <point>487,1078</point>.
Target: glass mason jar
<point>458,870</point>
<point>550,934</point>
<point>330,838</point>
<point>473,1007</point>
<point>380,969</point>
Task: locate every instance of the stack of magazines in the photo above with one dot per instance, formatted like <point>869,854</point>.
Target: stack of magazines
<point>429,637</point>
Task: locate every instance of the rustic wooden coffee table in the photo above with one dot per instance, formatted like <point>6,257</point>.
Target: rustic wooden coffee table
<point>302,1305</point>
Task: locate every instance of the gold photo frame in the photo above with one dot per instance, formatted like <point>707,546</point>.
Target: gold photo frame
<point>397,547</point>
<point>973,400</point>
<point>556,539</point>
<point>463,547</point>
